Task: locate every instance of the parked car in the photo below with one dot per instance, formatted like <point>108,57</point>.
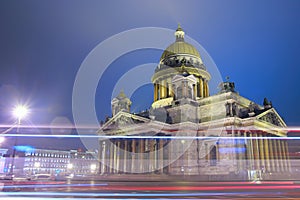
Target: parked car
<point>21,178</point>
<point>42,177</point>
<point>6,177</point>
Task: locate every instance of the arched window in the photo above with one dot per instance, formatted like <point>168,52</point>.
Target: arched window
<point>213,156</point>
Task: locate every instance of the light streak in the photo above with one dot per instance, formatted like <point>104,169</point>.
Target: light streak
<point>86,194</point>
<point>148,137</point>
<point>43,185</point>
<point>156,191</point>
<point>88,127</point>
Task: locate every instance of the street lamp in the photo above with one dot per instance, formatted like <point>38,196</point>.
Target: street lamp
<point>19,112</point>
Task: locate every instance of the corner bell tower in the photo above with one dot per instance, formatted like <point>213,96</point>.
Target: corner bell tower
<point>120,103</point>
<point>179,58</point>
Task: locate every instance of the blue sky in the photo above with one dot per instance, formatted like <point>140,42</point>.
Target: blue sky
<point>43,43</point>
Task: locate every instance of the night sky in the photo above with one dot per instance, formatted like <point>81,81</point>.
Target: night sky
<point>43,44</point>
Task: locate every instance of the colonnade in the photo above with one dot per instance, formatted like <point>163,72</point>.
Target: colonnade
<point>252,151</point>
<point>163,88</point>
<point>119,156</point>
<point>266,152</point>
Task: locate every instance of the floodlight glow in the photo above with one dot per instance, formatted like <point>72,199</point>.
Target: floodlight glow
<point>20,112</point>
<point>37,164</point>
<point>93,167</point>
<point>70,166</point>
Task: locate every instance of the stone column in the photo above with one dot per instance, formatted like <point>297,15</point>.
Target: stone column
<point>207,88</point>
<point>280,155</point>
<point>146,155</point>
<point>198,89</point>
<point>160,87</point>
<point>285,167</point>
<point>104,158</point>
<point>133,155</point>
<point>115,157</point>
<point>267,157</point>
<point>141,154</point>
<point>100,157</point>
<point>155,91</point>
<point>161,155</point>
<point>207,153</point>
<point>118,152</point>
<point>111,156</point>
<point>166,88</point>
<point>204,88</point>
<point>240,157</point>
<point>217,153</point>
<point>252,146</point>
<point>283,155</point>
<point>163,89</point>
<point>287,156</point>
<point>201,87</point>
<point>249,150</point>
<point>158,90</point>
<point>171,93</point>
<point>256,151</point>
<point>261,152</point>
<point>125,155</point>
<point>275,151</point>
<point>151,155</point>
<point>170,153</point>
<point>194,91</point>
<point>244,158</point>
<point>272,157</point>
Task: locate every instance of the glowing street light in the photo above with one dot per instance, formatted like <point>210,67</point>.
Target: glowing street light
<point>20,112</point>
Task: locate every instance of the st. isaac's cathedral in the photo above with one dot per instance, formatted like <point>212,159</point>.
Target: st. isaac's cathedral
<point>187,131</point>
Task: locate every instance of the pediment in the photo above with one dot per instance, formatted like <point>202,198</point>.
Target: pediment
<point>271,117</point>
<point>123,119</point>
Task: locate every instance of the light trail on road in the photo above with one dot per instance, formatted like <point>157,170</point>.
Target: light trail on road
<point>153,190</point>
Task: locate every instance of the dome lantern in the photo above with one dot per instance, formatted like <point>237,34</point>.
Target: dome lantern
<point>179,34</point>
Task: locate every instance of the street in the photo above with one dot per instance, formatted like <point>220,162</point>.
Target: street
<point>144,189</point>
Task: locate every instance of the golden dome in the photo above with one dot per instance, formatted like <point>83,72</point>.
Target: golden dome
<point>180,46</point>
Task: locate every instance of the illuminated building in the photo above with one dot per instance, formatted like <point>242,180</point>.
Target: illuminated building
<point>45,161</point>
<point>187,131</point>
<point>58,162</point>
<point>82,162</point>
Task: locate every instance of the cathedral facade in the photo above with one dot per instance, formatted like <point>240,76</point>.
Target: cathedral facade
<point>187,131</point>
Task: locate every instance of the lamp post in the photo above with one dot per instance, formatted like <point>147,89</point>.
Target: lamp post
<point>19,112</point>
